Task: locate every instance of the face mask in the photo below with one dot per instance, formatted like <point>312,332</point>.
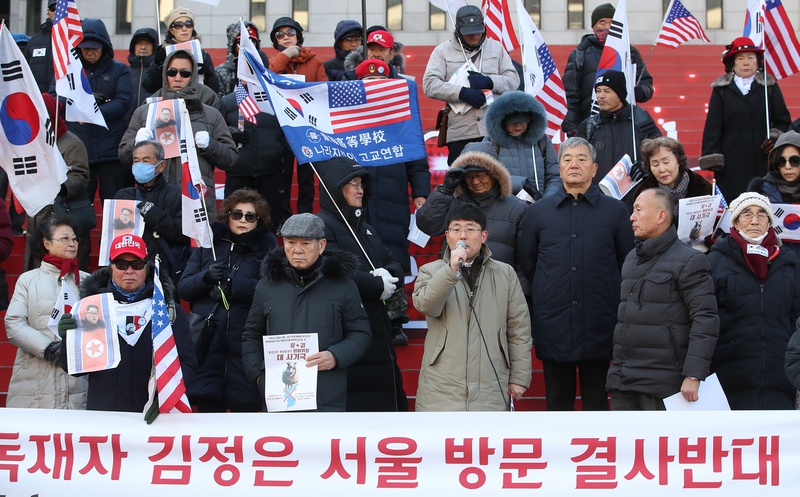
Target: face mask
<point>144,172</point>
<point>601,35</point>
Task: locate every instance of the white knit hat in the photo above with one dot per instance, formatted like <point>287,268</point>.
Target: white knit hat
<point>748,199</point>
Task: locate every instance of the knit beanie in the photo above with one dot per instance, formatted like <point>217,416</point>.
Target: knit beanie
<point>177,12</point>
<point>748,199</point>
<point>603,11</point>
<point>614,80</point>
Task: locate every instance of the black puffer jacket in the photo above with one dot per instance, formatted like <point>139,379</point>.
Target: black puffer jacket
<point>326,302</point>
<point>334,68</point>
<point>138,65</point>
<point>756,322</point>
<point>374,381</point>
<point>667,319</point>
<point>579,79</point>
<point>39,54</point>
<point>124,388</point>
<point>220,377</point>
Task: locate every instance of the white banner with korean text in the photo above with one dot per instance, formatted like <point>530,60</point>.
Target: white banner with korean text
<point>372,454</point>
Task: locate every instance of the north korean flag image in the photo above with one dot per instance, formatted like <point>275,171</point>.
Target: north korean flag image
<point>93,345</point>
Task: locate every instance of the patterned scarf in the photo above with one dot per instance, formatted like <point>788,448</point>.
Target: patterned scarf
<point>678,192</point>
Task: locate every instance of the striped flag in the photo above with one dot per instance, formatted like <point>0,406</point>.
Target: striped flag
<point>67,33</point>
<point>357,105</point>
<point>169,377</point>
<point>782,50</point>
<point>497,19</point>
<point>247,106</point>
<point>679,26</point>
<point>723,213</point>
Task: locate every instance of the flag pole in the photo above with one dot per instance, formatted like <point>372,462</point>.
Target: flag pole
<point>350,228</point>
<point>652,47</point>
<point>158,21</point>
<point>766,96</point>
<point>669,9</point>
<point>525,89</point>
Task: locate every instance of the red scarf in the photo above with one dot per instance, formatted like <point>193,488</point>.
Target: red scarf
<point>65,265</point>
<point>756,258</point>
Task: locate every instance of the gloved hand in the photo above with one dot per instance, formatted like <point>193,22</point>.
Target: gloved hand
<point>452,179</point>
<point>52,353</point>
<point>160,56</point>
<point>478,81</point>
<point>239,137</point>
<point>292,51</point>
<point>100,97</point>
<point>639,94</point>
<point>142,135</point>
<point>215,293</point>
<point>532,190</point>
<point>144,207</point>
<point>202,139</point>
<point>153,412</point>
<point>388,281</point>
<point>213,273</point>
<point>637,172</point>
<point>475,98</point>
<point>206,70</point>
<point>766,147</point>
<point>67,322</point>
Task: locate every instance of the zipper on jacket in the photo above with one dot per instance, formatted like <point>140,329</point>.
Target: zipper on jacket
<point>672,344</point>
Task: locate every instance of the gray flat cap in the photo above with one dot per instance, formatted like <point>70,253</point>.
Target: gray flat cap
<point>303,226</point>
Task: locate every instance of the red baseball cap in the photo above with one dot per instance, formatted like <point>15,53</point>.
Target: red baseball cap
<point>372,67</point>
<point>128,244</point>
<point>382,38</point>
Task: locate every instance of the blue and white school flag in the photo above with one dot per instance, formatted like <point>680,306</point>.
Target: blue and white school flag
<point>30,157</point>
<point>375,123</point>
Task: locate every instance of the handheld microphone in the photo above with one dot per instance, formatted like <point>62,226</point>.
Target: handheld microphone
<point>461,244</point>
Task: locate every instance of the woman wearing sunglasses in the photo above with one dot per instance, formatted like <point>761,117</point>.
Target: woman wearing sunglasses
<point>221,292</point>
<point>781,185</point>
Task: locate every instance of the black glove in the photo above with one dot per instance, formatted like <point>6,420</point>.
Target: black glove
<point>478,81</point>
<point>637,172</point>
<point>452,179</point>
<point>213,273</point>
<point>160,56</point>
<point>207,71</point>
<point>67,322</point>
<point>532,190</point>
<point>153,412</point>
<point>639,94</point>
<point>215,293</point>
<point>475,98</point>
<point>239,136</point>
<point>52,353</point>
<point>144,207</point>
<point>766,147</point>
<point>100,97</point>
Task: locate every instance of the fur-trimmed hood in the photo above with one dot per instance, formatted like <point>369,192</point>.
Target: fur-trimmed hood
<point>98,281</point>
<point>514,102</point>
<point>727,79</point>
<point>336,265</point>
<point>486,161</point>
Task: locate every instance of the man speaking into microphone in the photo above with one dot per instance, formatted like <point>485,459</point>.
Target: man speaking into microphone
<point>478,347</point>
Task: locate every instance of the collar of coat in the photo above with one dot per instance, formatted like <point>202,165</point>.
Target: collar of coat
<point>727,79</point>
<point>592,195</point>
<point>652,247</point>
<point>492,165</point>
<point>698,185</point>
<point>336,265</point>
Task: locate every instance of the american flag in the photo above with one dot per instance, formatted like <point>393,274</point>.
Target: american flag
<point>782,49</point>
<point>247,106</point>
<point>356,105</point>
<point>679,27</point>
<point>497,18</point>
<point>169,377</point>
<point>723,213</point>
<point>67,33</point>
<point>552,97</point>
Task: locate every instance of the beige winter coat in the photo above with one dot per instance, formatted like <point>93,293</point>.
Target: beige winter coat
<point>35,382</point>
<point>491,60</point>
<point>456,374</point>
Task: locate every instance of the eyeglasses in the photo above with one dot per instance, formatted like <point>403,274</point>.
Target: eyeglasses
<point>353,39</point>
<point>173,71</point>
<point>67,240</point>
<point>182,24</point>
<point>52,8</point>
<point>92,312</point>
<point>469,231</point>
<point>794,161</point>
<point>748,217</point>
<point>479,176</point>
<point>282,34</point>
<point>357,186</point>
<point>123,265</point>
<point>237,215</point>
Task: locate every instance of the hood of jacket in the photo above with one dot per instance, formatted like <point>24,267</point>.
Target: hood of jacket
<point>95,30</point>
<point>336,173</point>
<point>147,33</point>
<point>97,282</point>
<point>514,102</point>
<point>335,264</point>
<point>727,78</point>
<point>188,92</point>
<point>589,40</point>
<point>344,27</point>
<point>496,169</point>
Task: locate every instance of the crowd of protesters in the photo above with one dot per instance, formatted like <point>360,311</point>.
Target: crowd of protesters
<point>536,259</point>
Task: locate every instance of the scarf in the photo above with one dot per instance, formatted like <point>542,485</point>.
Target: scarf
<point>757,256</point>
<point>678,192</point>
<point>743,83</point>
<point>792,190</point>
<point>66,266</point>
<point>129,296</point>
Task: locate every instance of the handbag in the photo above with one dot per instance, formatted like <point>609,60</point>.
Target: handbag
<point>202,332</point>
<point>81,209</point>
<point>441,125</point>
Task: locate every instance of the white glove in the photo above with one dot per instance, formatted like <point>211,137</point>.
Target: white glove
<point>142,135</point>
<point>388,282</point>
<point>201,139</point>
<point>292,51</point>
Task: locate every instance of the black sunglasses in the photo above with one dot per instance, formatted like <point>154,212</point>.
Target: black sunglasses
<point>237,215</point>
<point>182,24</point>
<point>794,161</point>
<point>123,265</point>
<point>51,8</point>
<point>173,71</point>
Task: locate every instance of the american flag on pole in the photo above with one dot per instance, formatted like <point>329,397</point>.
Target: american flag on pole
<point>194,218</point>
<point>723,213</point>
<point>362,104</point>
<point>67,33</point>
<point>247,106</point>
<point>497,19</point>
<point>169,377</point>
<point>679,26</point>
<point>782,50</point>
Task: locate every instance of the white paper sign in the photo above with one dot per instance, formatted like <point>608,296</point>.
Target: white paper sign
<point>710,397</point>
<point>290,385</point>
<point>696,218</point>
<point>415,235</point>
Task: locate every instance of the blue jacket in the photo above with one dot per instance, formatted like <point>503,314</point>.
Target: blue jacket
<point>572,251</point>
